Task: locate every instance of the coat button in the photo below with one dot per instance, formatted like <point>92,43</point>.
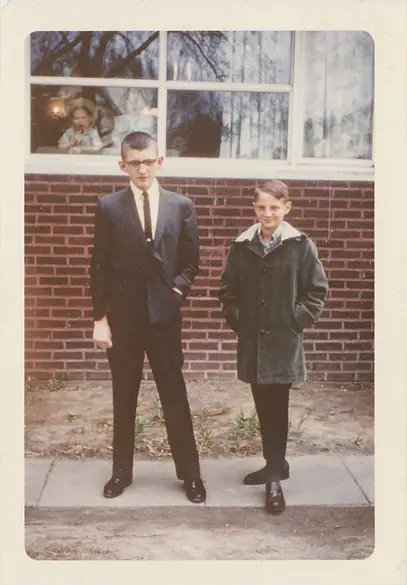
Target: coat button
<point>263,332</point>
<point>264,270</point>
<point>262,302</point>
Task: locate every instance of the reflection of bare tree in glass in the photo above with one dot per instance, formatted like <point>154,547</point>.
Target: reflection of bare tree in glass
<point>115,54</point>
<point>205,50</point>
<point>221,56</point>
<point>95,54</point>
<point>234,56</point>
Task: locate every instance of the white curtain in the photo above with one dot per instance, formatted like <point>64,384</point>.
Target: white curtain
<point>338,95</point>
<point>255,125</point>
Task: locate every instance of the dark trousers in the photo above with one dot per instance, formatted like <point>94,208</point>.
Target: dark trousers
<point>126,359</point>
<point>271,401</point>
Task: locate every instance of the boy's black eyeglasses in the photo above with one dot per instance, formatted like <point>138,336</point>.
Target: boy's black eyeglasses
<point>137,163</point>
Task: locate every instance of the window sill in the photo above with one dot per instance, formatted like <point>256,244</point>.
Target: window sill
<point>54,164</point>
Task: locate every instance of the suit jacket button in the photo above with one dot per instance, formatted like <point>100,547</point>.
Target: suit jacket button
<point>262,302</point>
<point>262,332</point>
<point>264,270</point>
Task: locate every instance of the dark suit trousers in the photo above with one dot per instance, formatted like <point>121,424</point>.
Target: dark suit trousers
<point>271,401</point>
<point>126,359</point>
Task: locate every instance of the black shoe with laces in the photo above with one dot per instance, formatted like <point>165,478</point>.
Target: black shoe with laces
<point>195,490</point>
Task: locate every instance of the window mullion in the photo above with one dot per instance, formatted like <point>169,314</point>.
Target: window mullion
<point>27,55</point>
<point>296,125</point>
<point>94,81</point>
<point>228,86</point>
<point>162,94</point>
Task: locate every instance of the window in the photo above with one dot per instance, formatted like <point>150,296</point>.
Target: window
<point>260,96</point>
<point>83,71</point>
<point>338,95</point>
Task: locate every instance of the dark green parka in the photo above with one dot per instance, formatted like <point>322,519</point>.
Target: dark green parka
<point>268,300</point>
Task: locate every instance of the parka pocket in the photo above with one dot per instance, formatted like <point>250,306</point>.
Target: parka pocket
<point>294,324</point>
<point>301,318</point>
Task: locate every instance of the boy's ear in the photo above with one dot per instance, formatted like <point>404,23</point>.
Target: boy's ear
<point>288,207</point>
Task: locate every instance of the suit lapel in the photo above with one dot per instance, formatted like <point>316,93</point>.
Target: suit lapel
<point>131,210</point>
<point>163,205</point>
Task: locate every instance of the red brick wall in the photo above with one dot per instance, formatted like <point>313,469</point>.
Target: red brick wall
<point>58,239</point>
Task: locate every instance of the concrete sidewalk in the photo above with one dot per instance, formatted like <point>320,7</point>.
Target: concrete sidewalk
<point>315,480</point>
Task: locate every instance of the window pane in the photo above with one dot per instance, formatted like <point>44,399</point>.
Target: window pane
<point>227,124</point>
<point>230,56</point>
<point>104,116</point>
<point>338,95</point>
<point>128,54</point>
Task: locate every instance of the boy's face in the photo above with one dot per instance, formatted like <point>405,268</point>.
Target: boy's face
<point>141,166</point>
<point>270,211</point>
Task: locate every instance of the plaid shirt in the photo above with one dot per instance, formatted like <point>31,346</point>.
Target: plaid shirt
<point>274,240</point>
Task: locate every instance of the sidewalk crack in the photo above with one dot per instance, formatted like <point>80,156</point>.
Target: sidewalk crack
<point>357,483</point>
<point>51,467</point>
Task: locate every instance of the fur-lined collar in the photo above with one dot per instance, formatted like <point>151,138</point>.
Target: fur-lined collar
<point>287,232</point>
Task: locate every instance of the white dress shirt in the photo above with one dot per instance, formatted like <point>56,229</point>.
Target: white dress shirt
<point>154,197</point>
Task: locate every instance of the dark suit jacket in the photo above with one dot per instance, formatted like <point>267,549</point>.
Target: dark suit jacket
<point>128,277</point>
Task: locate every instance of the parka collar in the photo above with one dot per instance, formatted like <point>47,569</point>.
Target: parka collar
<point>287,232</point>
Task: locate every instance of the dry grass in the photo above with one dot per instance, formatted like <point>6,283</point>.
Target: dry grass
<point>68,420</point>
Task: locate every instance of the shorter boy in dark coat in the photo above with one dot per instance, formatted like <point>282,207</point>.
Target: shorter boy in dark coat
<point>272,288</point>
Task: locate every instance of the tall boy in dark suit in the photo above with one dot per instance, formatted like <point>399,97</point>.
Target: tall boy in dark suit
<point>144,261</point>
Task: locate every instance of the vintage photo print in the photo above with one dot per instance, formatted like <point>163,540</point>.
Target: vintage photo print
<point>204,224</point>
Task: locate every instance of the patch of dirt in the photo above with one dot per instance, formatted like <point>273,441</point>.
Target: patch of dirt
<point>76,420</point>
<point>200,534</point>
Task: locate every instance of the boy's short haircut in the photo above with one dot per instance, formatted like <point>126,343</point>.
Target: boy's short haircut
<point>274,187</point>
<point>138,141</point>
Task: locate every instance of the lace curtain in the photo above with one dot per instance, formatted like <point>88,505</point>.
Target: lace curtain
<point>338,95</point>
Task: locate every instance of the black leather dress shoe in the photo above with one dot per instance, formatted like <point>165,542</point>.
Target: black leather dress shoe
<point>275,502</point>
<point>263,475</point>
<point>116,485</point>
<point>285,474</point>
<point>195,491</point>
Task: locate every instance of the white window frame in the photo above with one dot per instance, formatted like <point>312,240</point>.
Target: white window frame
<point>295,167</point>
